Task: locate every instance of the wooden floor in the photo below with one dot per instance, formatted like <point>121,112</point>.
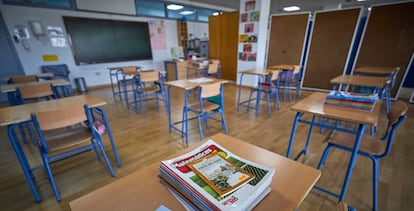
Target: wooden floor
<point>144,139</point>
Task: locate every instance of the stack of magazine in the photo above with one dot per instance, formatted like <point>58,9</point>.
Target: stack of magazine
<point>352,100</point>
<point>212,178</point>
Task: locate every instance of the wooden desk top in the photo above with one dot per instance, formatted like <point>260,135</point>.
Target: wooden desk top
<point>315,104</point>
<point>40,75</point>
<point>256,72</point>
<point>282,67</point>
<point>358,80</point>
<point>21,113</point>
<point>188,84</point>
<point>142,189</point>
<point>376,70</point>
<point>13,87</point>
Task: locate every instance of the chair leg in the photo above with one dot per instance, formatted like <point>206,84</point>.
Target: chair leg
<point>375,173</point>
<point>268,103</point>
<point>141,98</point>
<point>50,176</point>
<point>135,102</point>
<point>324,156</point>
<point>276,100</point>
<point>200,130</point>
<point>108,164</point>
<point>223,123</point>
<point>95,149</point>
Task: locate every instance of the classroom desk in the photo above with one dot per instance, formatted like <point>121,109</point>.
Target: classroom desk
<point>142,189</point>
<point>375,82</point>
<point>186,85</point>
<point>359,80</point>
<point>40,76</point>
<point>12,116</point>
<point>260,74</point>
<point>382,71</point>
<point>118,74</point>
<point>282,67</point>
<point>10,89</point>
<point>314,105</point>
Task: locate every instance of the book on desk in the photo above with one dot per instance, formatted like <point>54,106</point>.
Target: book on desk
<point>190,188</point>
<point>352,100</point>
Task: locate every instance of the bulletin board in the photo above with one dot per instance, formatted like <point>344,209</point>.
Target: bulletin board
<point>330,46</point>
<point>287,38</point>
<point>388,39</point>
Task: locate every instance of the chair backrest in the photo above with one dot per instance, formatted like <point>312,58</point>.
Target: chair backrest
<point>394,77</point>
<point>59,70</point>
<point>274,75</point>
<point>23,79</point>
<point>396,116</point>
<point>129,70</point>
<point>55,119</point>
<point>213,66</point>
<point>36,91</point>
<point>149,76</point>
<point>210,90</point>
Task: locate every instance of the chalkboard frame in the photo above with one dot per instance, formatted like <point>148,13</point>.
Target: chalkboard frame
<point>94,40</point>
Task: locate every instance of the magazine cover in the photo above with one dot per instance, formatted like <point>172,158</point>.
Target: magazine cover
<point>220,174</point>
<point>178,172</point>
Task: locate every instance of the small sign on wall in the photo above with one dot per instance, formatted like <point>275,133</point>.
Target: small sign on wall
<point>50,57</point>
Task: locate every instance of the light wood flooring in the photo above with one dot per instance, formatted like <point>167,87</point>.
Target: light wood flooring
<point>144,139</point>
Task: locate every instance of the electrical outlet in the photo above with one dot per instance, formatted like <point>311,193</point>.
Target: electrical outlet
<point>97,73</point>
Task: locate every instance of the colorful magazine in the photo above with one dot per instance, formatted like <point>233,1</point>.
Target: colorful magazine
<point>178,174</point>
<point>220,174</point>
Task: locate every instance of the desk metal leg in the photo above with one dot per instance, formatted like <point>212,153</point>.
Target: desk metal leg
<point>305,149</point>
<point>111,139</point>
<point>186,115</point>
<point>293,133</point>
<point>259,94</point>
<point>169,108</point>
<point>352,161</point>
<point>23,161</point>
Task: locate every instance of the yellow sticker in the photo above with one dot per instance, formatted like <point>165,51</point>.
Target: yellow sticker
<point>50,57</point>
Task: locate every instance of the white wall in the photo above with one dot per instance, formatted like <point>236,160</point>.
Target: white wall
<point>94,74</point>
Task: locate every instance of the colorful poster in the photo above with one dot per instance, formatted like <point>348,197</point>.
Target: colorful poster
<point>255,16</point>
<point>247,48</point>
<point>243,38</point>
<point>250,5</point>
<point>157,34</point>
<point>244,17</point>
<point>249,28</point>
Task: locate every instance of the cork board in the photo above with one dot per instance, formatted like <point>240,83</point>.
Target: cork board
<point>388,39</point>
<point>287,38</point>
<point>330,46</point>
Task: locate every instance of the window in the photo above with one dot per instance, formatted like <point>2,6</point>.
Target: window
<point>150,8</point>
<point>204,13</point>
<point>64,4</point>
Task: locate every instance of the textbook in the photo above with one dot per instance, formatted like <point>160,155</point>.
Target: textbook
<point>255,179</point>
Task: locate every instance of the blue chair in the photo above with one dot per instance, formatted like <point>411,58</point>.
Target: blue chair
<point>60,71</point>
<point>206,109</point>
<point>213,69</point>
<point>64,133</point>
<point>270,88</point>
<point>370,146</point>
<point>289,80</point>
<point>149,85</point>
<point>30,93</point>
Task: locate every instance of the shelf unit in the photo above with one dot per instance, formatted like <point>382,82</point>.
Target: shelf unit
<point>182,34</point>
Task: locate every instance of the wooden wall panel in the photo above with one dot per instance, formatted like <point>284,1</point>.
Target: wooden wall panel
<point>388,40</point>
<point>330,46</point>
<point>223,41</point>
<point>286,38</point>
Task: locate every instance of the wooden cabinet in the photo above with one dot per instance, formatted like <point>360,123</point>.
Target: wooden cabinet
<point>182,34</point>
<point>176,70</point>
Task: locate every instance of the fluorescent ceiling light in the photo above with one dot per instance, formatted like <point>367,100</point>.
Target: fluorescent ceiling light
<point>186,12</point>
<point>216,13</point>
<point>291,8</point>
<point>174,7</point>
<point>361,0</point>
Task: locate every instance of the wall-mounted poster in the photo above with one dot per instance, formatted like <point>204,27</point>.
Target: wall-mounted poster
<point>244,17</point>
<point>243,38</point>
<point>247,48</point>
<point>252,39</point>
<point>247,56</point>
<point>250,5</point>
<point>254,16</point>
<point>249,28</point>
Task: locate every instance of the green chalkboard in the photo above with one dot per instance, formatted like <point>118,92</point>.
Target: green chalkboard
<point>102,41</point>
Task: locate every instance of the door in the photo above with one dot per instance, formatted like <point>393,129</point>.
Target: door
<point>10,63</point>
